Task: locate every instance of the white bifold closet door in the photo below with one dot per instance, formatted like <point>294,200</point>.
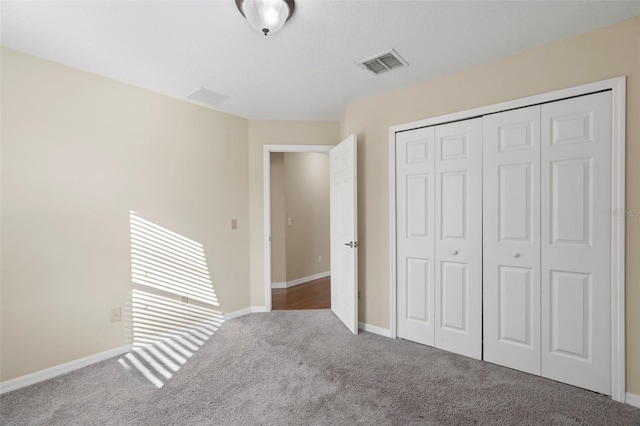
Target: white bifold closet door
<point>458,289</point>
<point>511,202</point>
<point>547,240</point>
<point>576,241</point>
<point>415,230</point>
<point>509,212</point>
<point>439,236</point>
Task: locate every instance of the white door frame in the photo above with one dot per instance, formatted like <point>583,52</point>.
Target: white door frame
<point>618,88</point>
<point>268,149</point>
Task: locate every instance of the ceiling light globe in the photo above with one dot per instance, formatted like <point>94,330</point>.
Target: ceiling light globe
<point>266,16</point>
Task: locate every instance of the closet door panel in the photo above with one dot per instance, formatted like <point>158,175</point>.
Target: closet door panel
<point>511,238</point>
<point>458,239</point>
<point>415,229</point>
<point>453,198</point>
<point>576,241</point>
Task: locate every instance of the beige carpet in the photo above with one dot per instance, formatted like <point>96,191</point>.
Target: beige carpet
<point>305,368</point>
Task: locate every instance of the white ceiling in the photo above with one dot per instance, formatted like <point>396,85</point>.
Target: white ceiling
<point>305,71</point>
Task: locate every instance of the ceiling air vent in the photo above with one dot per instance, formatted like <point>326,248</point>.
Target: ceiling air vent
<point>207,96</point>
<point>383,62</point>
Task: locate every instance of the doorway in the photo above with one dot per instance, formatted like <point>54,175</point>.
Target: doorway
<point>268,151</point>
<point>300,231</point>
<point>343,235</point>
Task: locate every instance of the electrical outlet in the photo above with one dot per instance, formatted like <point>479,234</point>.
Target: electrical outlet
<point>116,314</point>
<point>319,258</point>
<point>289,221</point>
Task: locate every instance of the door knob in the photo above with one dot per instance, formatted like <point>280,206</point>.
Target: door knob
<point>454,252</point>
<point>350,244</point>
<point>516,254</point>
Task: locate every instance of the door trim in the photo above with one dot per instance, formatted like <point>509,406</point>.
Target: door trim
<point>618,88</point>
<point>267,150</point>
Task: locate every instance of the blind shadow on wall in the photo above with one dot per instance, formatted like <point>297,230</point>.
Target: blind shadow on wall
<point>171,312</point>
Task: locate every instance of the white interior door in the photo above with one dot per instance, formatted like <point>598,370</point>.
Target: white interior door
<point>344,232</point>
<point>458,289</point>
<point>511,238</point>
<point>576,241</point>
<point>415,229</point>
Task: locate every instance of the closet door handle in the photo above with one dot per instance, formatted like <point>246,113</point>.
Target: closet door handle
<point>516,254</point>
<point>454,252</point>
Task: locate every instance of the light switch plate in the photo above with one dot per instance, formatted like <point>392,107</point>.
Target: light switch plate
<point>116,314</point>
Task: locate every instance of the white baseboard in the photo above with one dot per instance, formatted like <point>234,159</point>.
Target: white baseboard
<point>58,370</point>
<point>374,329</point>
<point>245,311</point>
<point>302,280</point>
<point>633,399</point>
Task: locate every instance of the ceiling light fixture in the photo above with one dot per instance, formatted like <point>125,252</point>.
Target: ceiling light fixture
<point>266,16</point>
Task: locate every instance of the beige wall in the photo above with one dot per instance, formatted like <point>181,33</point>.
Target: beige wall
<point>605,53</point>
<point>261,133</point>
<point>307,205</point>
<point>278,230</point>
<point>78,153</point>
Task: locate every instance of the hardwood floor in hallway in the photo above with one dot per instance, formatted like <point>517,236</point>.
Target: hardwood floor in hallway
<point>315,294</point>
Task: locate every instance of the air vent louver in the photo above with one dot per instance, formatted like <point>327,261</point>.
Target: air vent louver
<point>207,96</point>
<point>383,62</point>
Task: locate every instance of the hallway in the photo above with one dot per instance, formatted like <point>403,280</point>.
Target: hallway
<point>312,295</point>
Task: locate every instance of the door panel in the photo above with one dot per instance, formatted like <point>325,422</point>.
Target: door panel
<point>344,230</point>
<point>571,189</point>
<point>453,204</point>
<point>515,202</point>
<point>453,147</point>
<point>415,235</point>
<point>511,240</point>
<point>576,241</point>
<point>417,195</point>
<point>417,291</point>
<point>515,305</point>
<point>569,306</point>
<point>453,299</point>
<point>458,239</point>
